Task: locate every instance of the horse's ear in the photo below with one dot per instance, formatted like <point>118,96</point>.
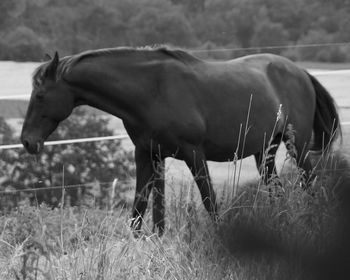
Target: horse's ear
<point>52,67</point>
<point>47,57</point>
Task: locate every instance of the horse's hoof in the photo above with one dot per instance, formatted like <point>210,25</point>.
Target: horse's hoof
<point>159,230</point>
<point>137,234</point>
<point>217,219</point>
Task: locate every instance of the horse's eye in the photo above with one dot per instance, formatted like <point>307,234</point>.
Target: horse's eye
<point>39,96</point>
<point>37,83</point>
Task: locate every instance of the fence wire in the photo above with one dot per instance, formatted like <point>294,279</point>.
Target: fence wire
<point>83,185</point>
<point>259,48</point>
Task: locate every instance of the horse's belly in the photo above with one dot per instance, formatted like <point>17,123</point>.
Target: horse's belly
<point>219,154</point>
<point>226,145</point>
<point>222,153</point>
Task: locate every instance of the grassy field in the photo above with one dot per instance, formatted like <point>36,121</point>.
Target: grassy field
<point>290,234</point>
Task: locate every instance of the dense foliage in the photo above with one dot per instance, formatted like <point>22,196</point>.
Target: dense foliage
<point>92,165</point>
<point>29,28</point>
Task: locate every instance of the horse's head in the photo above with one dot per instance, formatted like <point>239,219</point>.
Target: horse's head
<point>50,103</point>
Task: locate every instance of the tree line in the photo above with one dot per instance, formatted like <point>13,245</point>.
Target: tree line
<point>30,28</point>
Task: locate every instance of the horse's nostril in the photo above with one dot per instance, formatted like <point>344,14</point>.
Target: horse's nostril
<point>25,144</point>
<point>32,147</point>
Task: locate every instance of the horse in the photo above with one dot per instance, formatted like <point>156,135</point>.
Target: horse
<point>174,104</point>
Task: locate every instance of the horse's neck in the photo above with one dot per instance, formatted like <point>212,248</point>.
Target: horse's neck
<point>111,90</point>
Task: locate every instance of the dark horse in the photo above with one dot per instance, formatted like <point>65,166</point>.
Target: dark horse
<point>175,105</point>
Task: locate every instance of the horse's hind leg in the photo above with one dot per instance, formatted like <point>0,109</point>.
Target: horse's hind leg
<point>297,148</point>
<point>196,161</point>
<point>265,160</point>
<point>304,162</point>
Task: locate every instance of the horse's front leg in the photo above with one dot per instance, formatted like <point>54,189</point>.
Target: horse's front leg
<point>158,197</point>
<point>144,183</point>
<point>196,161</point>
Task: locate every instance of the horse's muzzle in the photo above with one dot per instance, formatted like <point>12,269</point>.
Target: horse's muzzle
<point>32,146</point>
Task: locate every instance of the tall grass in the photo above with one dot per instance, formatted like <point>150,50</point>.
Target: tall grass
<point>289,234</point>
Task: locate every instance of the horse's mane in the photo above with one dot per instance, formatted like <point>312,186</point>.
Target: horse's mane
<point>177,54</point>
<point>68,62</point>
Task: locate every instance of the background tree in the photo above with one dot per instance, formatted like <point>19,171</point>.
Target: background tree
<point>329,53</point>
<point>154,25</point>
<point>216,24</point>
<point>30,28</point>
<point>82,164</point>
<point>269,34</point>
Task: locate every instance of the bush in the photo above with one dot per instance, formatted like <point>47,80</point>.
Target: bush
<point>324,54</point>
<point>23,44</point>
<point>92,166</point>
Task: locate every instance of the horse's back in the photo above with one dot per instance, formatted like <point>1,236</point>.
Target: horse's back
<point>260,84</point>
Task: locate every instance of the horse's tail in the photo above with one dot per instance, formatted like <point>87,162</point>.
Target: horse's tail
<point>326,121</point>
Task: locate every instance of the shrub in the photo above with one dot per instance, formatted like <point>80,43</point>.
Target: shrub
<point>91,166</point>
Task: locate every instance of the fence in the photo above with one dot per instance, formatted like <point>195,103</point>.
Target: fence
<point>70,141</point>
<point>277,47</point>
